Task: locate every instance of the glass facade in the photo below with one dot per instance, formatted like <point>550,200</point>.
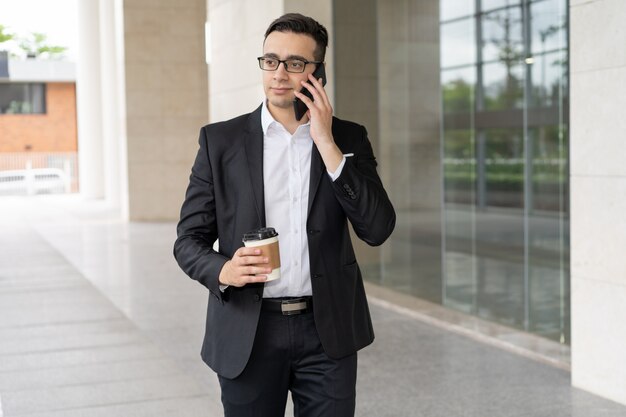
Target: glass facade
<point>466,103</point>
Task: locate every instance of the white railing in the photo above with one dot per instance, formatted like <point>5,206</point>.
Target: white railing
<point>65,161</point>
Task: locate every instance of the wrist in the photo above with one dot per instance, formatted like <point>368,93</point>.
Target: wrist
<point>331,155</point>
<point>221,279</point>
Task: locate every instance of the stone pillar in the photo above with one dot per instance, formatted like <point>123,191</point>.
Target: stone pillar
<point>111,131</point>
<point>89,104</point>
<point>166,101</point>
<point>598,197</point>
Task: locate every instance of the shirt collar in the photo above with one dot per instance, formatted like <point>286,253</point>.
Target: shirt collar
<point>267,120</point>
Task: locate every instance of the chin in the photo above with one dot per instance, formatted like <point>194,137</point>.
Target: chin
<point>281,103</point>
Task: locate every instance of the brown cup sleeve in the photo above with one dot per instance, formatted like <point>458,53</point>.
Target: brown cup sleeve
<point>272,253</point>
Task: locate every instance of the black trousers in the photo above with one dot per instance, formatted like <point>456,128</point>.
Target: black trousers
<point>287,356</point>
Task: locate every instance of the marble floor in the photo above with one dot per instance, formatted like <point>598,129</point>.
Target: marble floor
<point>96,319</point>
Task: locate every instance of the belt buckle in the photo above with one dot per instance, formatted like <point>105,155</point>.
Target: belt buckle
<point>292,307</point>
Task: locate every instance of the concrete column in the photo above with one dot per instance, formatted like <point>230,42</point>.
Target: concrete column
<point>110,102</point>
<point>166,101</point>
<point>598,196</point>
<point>88,98</point>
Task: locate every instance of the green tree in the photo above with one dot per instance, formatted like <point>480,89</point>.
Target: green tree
<point>4,35</point>
<point>36,45</point>
<point>458,96</point>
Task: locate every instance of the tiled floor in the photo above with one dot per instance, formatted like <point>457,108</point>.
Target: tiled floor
<point>97,320</point>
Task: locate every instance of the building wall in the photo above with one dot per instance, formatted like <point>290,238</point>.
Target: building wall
<point>54,131</point>
<point>598,202</point>
<point>166,101</point>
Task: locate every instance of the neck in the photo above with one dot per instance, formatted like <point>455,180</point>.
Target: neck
<point>286,117</point>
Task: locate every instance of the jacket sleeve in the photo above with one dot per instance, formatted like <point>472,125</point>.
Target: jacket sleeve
<point>362,195</point>
<point>197,228</point>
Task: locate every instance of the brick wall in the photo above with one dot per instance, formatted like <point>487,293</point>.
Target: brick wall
<point>54,131</point>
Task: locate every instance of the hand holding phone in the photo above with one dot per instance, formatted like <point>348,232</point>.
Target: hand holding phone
<point>298,105</point>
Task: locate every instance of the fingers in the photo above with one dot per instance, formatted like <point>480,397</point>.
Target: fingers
<point>320,89</point>
<point>320,100</point>
<point>247,266</point>
<point>314,92</point>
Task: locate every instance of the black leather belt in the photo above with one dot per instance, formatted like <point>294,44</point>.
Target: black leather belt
<point>288,306</point>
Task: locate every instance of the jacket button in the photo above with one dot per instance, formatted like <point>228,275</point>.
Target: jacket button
<point>346,186</point>
<point>257,297</point>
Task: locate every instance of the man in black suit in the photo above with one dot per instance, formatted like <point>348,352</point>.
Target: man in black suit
<point>307,179</point>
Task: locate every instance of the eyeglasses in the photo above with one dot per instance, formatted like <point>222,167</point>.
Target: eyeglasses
<point>291,65</point>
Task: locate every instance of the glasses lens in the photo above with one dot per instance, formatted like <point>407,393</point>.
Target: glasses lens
<point>268,63</point>
<point>295,65</point>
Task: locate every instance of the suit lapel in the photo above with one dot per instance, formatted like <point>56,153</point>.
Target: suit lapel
<point>317,166</point>
<point>254,153</point>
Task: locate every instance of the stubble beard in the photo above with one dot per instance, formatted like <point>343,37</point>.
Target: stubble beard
<point>281,103</point>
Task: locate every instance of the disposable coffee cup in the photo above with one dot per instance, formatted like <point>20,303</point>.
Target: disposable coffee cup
<point>265,239</point>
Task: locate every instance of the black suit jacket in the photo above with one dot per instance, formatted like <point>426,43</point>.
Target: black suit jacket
<point>225,199</point>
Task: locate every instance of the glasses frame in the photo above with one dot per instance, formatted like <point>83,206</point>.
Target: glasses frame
<point>284,62</point>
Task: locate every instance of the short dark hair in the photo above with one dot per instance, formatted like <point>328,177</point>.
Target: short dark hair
<point>297,23</point>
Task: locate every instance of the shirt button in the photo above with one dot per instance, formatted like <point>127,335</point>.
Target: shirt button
<point>295,231</point>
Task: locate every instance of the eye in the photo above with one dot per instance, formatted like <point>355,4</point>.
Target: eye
<point>270,62</point>
<point>297,65</point>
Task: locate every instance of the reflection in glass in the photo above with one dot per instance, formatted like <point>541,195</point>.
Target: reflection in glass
<point>452,9</point>
<point>547,25</point>
<point>459,167</point>
<point>504,167</point>
<point>506,243</point>
<point>458,89</point>
<point>549,167</point>
<point>458,43</point>
<point>503,86</point>
<point>502,36</point>
<point>472,145</point>
<point>487,5</point>
<point>549,73</point>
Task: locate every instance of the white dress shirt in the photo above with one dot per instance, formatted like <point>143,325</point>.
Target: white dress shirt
<point>286,175</point>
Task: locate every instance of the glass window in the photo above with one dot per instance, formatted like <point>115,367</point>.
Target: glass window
<point>503,86</point>
<point>472,147</point>
<point>487,5</point>
<point>453,9</point>
<point>504,167</point>
<point>547,26</point>
<point>549,79</point>
<point>458,43</point>
<point>502,36</point>
<point>458,89</point>
<point>22,98</point>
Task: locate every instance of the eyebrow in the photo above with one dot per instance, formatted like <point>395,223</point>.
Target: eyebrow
<point>271,55</point>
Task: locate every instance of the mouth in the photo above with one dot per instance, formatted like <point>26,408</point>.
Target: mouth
<point>281,90</point>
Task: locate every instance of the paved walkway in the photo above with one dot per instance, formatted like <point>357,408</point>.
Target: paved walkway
<point>96,319</point>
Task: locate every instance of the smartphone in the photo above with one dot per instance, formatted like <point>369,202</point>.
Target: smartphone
<point>298,105</point>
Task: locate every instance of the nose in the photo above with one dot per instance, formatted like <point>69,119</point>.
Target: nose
<point>281,71</point>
